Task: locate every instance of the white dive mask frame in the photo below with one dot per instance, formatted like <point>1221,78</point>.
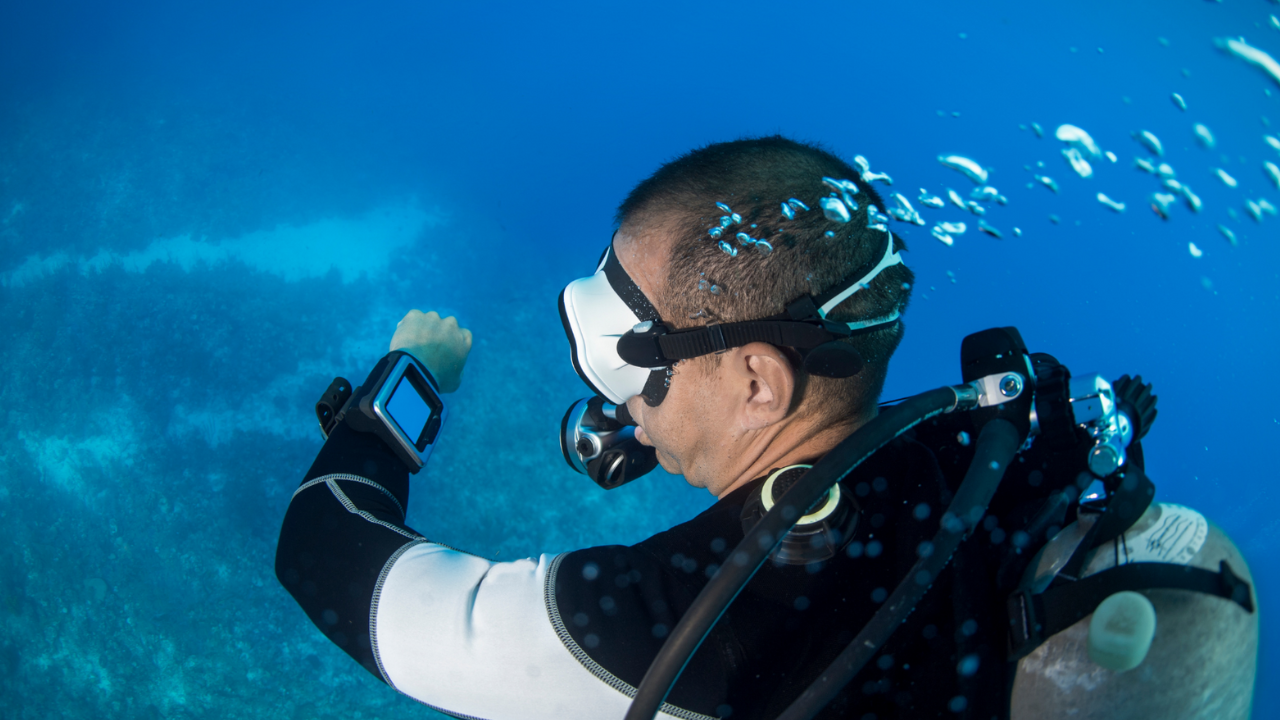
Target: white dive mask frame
<point>595,316</point>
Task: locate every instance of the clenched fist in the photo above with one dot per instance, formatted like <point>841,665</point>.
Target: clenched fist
<point>437,343</point>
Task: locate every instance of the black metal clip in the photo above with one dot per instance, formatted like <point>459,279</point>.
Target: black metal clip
<point>329,406</point>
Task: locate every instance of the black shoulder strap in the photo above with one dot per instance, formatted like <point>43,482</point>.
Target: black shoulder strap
<point>1130,495</point>
<point>1036,618</point>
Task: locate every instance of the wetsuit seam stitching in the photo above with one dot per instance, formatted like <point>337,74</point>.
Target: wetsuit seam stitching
<point>595,668</point>
<point>351,508</point>
<point>373,607</point>
<point>351,478</point>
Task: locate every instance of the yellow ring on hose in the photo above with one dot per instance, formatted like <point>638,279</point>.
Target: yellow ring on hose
<point>833,497</point>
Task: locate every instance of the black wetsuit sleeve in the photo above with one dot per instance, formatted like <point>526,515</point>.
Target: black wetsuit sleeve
<point>343,524</point>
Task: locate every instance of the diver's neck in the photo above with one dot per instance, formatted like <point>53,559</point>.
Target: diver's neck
<point>793,445</point>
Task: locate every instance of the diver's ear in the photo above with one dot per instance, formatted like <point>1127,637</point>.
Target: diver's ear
<point>768,383</point>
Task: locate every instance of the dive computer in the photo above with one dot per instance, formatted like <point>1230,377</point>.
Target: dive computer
<point>399,402</point>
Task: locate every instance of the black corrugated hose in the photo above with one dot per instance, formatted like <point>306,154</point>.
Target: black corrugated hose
<point>755,548</point>
<point>997,444</point>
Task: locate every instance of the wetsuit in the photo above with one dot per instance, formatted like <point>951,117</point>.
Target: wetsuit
<point>570,636</point>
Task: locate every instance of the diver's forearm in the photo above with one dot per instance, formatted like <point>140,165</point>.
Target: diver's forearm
<point>343,525</point>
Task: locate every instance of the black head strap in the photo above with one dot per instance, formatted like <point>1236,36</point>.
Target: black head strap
<point>627,289</point>
<point>801,326</point>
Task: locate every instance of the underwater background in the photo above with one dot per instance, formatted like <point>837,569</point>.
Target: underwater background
<point>210,209</point>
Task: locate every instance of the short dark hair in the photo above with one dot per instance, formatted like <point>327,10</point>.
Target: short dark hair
<point>755,177</point>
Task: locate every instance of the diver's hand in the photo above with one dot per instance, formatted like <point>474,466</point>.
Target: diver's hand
<point>437,343</point>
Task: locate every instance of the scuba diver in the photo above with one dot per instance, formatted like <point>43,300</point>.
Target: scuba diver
<point>989,549</point>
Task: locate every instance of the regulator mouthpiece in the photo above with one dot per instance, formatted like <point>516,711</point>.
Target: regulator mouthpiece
<point>598,439</point>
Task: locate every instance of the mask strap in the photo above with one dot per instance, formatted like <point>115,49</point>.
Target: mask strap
<point>626,288</point>
<point>888,259</point>
<point>875,322</point>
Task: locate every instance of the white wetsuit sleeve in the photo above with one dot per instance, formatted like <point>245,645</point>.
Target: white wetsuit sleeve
<point>478,639</point>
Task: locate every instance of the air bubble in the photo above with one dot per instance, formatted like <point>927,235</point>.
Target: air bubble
<point>1077,162</point>
<point>833,209</point>
<point>876,220</point>
<point>1115,205</point>
<point>764,247</point>
<point>928,200</point>
<point>1150,142</point>
<point>1204,136</point>
<point>728,249</point>
<point>966,166</point>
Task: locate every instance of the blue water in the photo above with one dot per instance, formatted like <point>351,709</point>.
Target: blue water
<point>208,210</point>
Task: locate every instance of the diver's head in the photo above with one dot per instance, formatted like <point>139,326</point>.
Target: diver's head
<point>720,418</point>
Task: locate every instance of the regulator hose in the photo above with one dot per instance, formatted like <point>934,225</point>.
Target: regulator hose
<point>997,444</point>
<point>755,548</point>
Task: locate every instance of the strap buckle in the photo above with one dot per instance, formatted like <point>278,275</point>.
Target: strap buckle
<point>715,333</point>
<point>1026,632</point>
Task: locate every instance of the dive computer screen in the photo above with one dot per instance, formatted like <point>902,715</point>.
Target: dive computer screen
<point>414,409</point>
